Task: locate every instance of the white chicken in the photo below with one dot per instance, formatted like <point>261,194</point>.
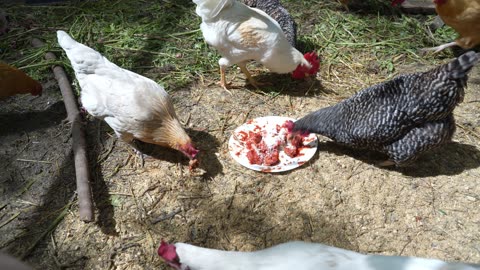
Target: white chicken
<point>294,255</point>
<point>134,106</point>
<point>241,33</point>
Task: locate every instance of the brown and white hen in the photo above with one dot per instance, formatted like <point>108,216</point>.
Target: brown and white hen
<point>134,106</point>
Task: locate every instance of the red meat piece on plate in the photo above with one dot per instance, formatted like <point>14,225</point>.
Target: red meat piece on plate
<point>254,137</point>
<point>291,151</point>
<point>271,158</point>
<point>253,157</point>
<point>297,140</point>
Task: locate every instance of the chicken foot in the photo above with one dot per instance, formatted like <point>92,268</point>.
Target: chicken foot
<point>386,163</point>
<point>438,48</point>
<point>223,80</point>
<point>142,156</point>
<point>251,80</point>
<point>130,140</point>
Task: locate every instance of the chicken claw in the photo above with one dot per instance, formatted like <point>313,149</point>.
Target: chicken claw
<point>223,81</point>
<point>251,80</point>
<point>386,163</point>
<point>438,48</point>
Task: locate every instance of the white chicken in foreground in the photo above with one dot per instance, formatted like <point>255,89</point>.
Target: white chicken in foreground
<point>294,255</point>
<point>134,106</point>
<point>241,33</point>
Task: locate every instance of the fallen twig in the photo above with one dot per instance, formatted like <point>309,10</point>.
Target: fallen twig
<point>78,137</point>
<point>14,216</point>
<point>32,160</point>
<point>166,216</point>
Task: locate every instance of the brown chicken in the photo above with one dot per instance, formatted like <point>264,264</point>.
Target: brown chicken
<point>14,81</point>
<point>461,15</point>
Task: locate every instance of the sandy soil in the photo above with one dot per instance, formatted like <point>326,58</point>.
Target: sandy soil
<point>340,197</point>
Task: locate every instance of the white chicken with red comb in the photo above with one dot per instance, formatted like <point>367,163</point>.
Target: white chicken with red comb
<point>241,33</point>
<point>294,255</point>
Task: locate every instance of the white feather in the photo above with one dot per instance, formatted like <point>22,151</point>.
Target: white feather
<point>225,30</point>
<point>303,256</point>
<point>132,105</point>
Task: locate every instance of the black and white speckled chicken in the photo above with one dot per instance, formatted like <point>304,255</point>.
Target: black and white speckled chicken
<point>275,10</point>
<point>402,118</point>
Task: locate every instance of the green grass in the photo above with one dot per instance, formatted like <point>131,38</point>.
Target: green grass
<point>161,39</point>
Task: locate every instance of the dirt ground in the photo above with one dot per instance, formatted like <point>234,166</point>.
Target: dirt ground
<point>340,198</point>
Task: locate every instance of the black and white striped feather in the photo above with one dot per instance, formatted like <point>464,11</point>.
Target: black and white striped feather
<point>275,10</point>
<point>402,117</point>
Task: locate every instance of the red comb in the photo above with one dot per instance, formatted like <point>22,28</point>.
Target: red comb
<point>301,71</point>
<point>167,252</point>
<point>193,151</point>
<point>312,58</point>
<point>189,150</point>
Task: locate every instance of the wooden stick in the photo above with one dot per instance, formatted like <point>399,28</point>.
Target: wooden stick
<point>78,138</point>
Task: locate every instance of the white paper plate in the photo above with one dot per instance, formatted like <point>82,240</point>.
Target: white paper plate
<point>239,152</point>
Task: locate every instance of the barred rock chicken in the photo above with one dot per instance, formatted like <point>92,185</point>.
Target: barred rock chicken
<point>402,117</point>
<point>461,15</point>
<point>275,10</point>
<point>134,106</point>
<point>14,81</point>
<point>294,255</point>
<point>241,33</point>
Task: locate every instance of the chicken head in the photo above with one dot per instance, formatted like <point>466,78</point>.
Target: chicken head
<point>303,71</point>
<point>189,150</point>
<point>169,254</point>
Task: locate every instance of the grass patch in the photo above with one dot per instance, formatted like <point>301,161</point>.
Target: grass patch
<point>161,39</point>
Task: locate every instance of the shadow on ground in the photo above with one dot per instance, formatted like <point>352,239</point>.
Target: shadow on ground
<point>450,159</point>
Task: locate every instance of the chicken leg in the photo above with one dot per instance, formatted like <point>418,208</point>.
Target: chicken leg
<point>130,140</point>
<point>223,80</point>
<point>251,80</point>
<point>438,48</point>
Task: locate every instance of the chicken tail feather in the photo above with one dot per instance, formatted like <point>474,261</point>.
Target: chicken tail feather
<point>65,40</point>
<point>460,67</point>
<point>209,9</point>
